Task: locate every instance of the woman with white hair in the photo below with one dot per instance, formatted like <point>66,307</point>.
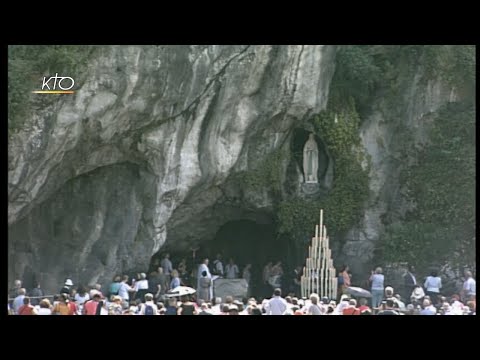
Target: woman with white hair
<point>377,279</point>
<point>175,279</point>
<point>314,308</point>
<point>141,287</point>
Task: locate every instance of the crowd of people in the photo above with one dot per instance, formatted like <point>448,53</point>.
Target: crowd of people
<point>149,295</point>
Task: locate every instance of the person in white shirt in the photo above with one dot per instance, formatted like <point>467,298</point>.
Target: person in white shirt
<point>428,308</point>
<point>204,267</point>
<point>44,308</point>
<point>124,291</point>
<point>216,309</point>
<point>141,286</point>
<point>276,305</point>
<point>247,274</point>
<point>469,286</point>
<point>232,270</point>
<point>18,301</point>
<point>218,266</point>
<point>80,297</point>
<point>433,284</point>
<point>149,302</point>
<point>314,308</point>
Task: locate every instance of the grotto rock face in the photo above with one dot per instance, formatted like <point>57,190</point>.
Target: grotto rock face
<point>99,180</point>
<point>146,155</point>
<point>414,110</point>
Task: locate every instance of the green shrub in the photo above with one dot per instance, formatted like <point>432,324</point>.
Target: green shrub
<point>442,186</point>
<point>27,64</point>
<point>344,204</point>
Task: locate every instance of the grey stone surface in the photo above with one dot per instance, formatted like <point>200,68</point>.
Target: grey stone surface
<point>149,147</point>
<point>237,288</point>
<point>183,120</point>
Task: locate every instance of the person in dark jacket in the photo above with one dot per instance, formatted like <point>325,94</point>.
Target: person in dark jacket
<point>36,294</point>
<point>409,282</point>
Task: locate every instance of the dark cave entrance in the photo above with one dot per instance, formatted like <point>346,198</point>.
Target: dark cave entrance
<point>246,241</point>
<point>250,242</point>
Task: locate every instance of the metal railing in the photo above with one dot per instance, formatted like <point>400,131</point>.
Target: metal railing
<point>35,297</point>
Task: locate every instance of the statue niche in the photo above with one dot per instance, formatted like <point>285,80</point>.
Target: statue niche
<point>310,160</point>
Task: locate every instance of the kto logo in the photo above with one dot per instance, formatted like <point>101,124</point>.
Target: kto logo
<point>64,83</point>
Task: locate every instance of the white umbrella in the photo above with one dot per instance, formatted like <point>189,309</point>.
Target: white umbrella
<point>181,291</point>
<point>358,292</point>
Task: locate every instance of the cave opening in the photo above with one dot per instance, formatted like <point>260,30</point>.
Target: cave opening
<point>255,243</point>
<point>247,241</point>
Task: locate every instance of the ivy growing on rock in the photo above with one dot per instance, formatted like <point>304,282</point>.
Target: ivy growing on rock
<point>267,174</point>
<point>27,64</point>
<point>442,186</point>
<point>344,204</point>
<point>441,183</point>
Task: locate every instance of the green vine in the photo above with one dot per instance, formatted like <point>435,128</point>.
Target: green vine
<point>452,63</point>
<point>365,71</point>
<point>267,174</point>
<point>27,64</point>
<point>298,217</point>
<point>409,242</point>
<point>344,204</point>
<point>442,186</point>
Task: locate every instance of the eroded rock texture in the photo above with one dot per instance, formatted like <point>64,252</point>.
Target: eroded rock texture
<point>98,180</point>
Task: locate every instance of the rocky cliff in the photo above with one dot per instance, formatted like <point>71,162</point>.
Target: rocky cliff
<point>98,180</point>
<point>150,149</point>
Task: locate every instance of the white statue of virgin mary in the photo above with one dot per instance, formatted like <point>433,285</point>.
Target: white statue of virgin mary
<point>310,160</point>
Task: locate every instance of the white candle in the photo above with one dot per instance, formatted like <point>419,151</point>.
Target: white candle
<point>303,286</point>
<point>321,220</point>
<point>321,283</point>
<point>333,287</point>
